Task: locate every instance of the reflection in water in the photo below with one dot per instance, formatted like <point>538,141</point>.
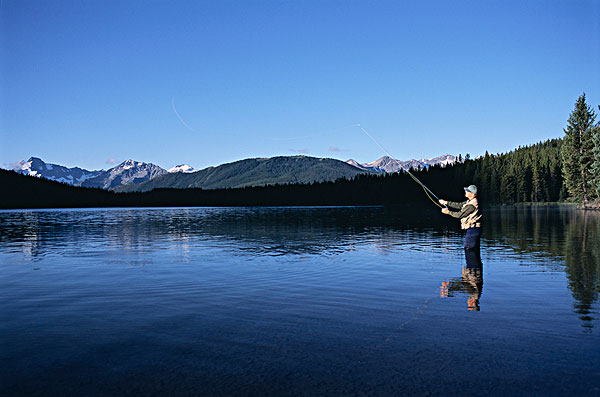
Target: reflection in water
<point>471,281</point>
<point>557,232</point>
<point>582,257</point>
<point>562,238</point>
<point>295,301</point>
<point>263,231</point>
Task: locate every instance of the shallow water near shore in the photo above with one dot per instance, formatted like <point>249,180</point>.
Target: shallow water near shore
<point>298,301</point>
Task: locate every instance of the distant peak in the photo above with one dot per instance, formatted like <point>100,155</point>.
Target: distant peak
<point>127,164</point>
<point>181,168</point>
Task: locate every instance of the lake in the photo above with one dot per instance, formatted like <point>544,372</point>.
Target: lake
<point>298,301</point>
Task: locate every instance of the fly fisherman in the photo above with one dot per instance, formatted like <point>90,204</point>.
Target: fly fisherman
<point>469,215</point>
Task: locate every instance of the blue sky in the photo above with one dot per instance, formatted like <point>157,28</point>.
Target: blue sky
<point>89,83</point>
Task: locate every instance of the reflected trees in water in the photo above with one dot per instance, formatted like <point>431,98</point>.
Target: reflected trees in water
<point>561,234</point>
<point>582,260</point>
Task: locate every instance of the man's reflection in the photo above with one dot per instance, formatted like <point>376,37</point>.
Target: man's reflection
<point>471,282</point>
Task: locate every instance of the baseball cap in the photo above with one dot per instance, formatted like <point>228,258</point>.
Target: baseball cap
<point>472,189</point>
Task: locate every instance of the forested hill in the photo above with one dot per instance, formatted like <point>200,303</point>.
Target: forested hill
<point>253,172</point>
<point>23,191</point>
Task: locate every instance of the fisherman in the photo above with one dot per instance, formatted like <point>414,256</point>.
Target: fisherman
<point>469,215</point>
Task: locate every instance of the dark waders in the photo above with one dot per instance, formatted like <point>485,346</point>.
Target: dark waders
<point>472,238</point>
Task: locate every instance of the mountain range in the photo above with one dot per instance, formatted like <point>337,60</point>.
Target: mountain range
<point>388,164</point>
<point>37,167</point>
<point>127,172</point>
<point>254,172</point>
<point>133,175</point>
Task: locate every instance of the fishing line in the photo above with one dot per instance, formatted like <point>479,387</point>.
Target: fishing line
<point>427,191</point>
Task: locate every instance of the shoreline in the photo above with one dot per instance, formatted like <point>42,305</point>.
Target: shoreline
<point>589,206</point>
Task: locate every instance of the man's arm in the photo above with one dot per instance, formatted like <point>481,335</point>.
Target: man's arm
<point>455,205</point>
<point>465,211</point>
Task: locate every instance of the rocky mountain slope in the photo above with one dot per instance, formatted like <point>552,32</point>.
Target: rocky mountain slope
<point>128,172</point>
<point>37,167</point>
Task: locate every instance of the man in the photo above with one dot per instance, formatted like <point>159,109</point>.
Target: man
<point>469,215</point>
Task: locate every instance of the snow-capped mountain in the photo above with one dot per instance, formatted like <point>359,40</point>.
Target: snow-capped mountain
<point>388,164</point>
<point>362,166</point>
<point>127,172</point>
<point>181,168</point>
<point>37,167</point>
<point>441,160</point>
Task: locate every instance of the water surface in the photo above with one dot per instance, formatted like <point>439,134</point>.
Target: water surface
<point>298,301</point>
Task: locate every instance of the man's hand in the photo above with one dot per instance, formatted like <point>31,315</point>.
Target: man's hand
<point>445,210</point>
<point>443,202</point>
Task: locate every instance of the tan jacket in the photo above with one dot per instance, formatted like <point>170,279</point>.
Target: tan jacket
<point>469,213</point>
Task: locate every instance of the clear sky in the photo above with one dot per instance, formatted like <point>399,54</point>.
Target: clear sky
<point>90,83</point>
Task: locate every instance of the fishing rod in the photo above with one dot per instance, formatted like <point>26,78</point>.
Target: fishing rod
<point>427,191</point>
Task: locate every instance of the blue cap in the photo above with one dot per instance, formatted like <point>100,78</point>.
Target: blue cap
<point>472,189</point>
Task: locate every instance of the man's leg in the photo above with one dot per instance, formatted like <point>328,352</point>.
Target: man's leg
<point>472,238</point>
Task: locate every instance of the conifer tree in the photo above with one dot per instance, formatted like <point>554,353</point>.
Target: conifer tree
<point>577,156</point>
<point>595,182</point>
<point>537,184</point>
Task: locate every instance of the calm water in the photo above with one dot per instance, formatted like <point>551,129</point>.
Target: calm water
<point>298,301</point>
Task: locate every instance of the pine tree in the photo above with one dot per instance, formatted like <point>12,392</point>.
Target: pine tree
<point>577,153</point>
<point>595,182</point>
<point>537,184</point>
